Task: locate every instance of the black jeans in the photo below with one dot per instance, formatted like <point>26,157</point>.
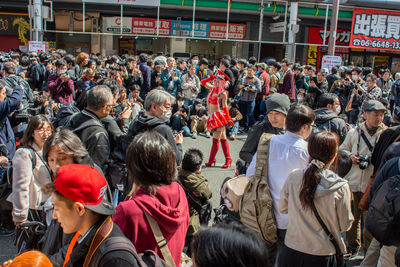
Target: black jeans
<point>276,248</point>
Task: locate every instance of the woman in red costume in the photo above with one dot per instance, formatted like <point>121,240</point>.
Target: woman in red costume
<point>218,118</point>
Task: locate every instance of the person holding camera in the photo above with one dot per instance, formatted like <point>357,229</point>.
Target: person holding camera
<point>250,86</point>
<point>60,85</point>
<point>190,85</point>
<point>360,142</point>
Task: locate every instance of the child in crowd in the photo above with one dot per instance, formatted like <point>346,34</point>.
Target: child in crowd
<point>196,188</point>
<point>236,117</point>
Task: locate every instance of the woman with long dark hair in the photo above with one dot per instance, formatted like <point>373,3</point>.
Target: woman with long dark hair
<point>314,191</point>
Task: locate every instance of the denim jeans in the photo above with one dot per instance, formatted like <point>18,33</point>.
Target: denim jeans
<point>247,110</point>
<point>176,125</point>
<point>233,130</point>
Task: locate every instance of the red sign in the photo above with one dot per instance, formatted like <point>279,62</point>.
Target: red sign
<point>218,30</point>
<point>149,26</point>
<point>316,36</point>
<point>374,29</point>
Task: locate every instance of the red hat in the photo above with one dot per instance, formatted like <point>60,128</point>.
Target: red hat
<point>222,76</point>
<point>86,185</point>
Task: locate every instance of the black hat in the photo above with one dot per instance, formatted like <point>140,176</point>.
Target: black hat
<point>373,105</point>
<point>279,103</point>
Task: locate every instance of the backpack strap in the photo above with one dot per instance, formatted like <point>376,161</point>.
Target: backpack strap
<point>101,234</point>
<point>262,156</point>
<point>161,241</point>
<point>111,244</point>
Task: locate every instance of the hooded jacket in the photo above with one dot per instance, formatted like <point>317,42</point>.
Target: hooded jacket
<point>333,202</point>
<point>326,119</point>
<point>168,207</point>
<point>144,122</point>
<point>88,127</point>
<point>12,81</point>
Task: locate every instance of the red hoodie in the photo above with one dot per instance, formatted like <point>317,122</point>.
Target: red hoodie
<point>169,207</point>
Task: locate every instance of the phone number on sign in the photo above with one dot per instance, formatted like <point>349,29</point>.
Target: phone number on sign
<point>376,44</point>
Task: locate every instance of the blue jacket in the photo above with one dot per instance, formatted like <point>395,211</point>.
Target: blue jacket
<point>9,105</point>
<point>166,79</point>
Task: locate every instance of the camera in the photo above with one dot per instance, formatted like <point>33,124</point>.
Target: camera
<point>364,162</point>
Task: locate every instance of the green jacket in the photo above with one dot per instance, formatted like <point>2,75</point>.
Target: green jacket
<point>197,184</point>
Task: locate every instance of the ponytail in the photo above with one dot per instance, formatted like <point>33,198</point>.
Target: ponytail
<point>311,179</point>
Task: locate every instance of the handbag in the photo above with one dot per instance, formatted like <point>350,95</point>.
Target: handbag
<point>339,255</point>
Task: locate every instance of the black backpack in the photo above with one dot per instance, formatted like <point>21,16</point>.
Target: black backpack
<point>383,216</point>
<point>6,176</point>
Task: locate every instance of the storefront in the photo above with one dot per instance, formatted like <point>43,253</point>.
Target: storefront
<point>140,35</point>
<point>316,36</point>
<point>375,39</point>
<point>14,31</point>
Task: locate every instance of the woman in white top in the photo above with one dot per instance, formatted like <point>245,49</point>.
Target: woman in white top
<point>30,172</point>
<point>306,242</point>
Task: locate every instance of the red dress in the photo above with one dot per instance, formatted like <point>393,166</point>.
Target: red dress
<point>219,118</point>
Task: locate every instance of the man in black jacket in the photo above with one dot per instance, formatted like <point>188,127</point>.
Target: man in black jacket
<point>158,112</point>
<point>39,76</point>
<point>327,116</point>
<point>88,127</point>
<point>278,106</point>
<point>81,208</point>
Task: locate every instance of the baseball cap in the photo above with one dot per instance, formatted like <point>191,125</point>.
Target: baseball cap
<point>374,105</point>
<point>86,185</point>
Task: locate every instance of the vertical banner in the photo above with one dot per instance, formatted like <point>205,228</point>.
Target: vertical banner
<point>374,29</point>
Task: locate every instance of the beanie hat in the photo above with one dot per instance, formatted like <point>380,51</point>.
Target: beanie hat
<point>279,103</point>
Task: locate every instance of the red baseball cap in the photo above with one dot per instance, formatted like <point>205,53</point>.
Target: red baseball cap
<point>222,76</point>
<point>86,185</point>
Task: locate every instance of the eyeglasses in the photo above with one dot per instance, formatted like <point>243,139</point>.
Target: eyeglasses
<point>42,130</point>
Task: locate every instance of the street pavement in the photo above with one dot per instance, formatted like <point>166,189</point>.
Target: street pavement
<point>215,176</point>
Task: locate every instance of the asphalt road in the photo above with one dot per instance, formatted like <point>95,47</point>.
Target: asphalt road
<point>215,176</point>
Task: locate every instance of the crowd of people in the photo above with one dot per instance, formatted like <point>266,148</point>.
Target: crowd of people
<point>93,172</point>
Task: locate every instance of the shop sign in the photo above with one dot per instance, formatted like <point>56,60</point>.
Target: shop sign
<point>312,55</point>
<point>185,27</point>
<point>125,2</point>
<point>37,46</point>
<point>15,25</point>
<point>113,25</point>
<point>374,29</point>
<point>218,30</point>
<point>331,61</point>
<point>149,26</point>
<point>316,36</point>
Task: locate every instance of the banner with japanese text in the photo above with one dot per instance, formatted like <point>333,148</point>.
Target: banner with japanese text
<point>374,29</point>
<point>218,30</point>
<point>149,26</point>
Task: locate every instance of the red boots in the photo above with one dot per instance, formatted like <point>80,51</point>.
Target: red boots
<point>214,151</point>
<point>225,148</point>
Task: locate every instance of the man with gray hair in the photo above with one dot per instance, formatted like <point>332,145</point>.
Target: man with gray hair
<point>158,111</point>
<point>88,127</point>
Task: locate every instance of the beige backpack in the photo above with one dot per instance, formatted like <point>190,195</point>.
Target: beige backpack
<point>232,190</point>
<point>255,206</point>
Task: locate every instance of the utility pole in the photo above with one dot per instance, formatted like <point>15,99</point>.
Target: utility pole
<point>37,19</point>
<point>333,28</point>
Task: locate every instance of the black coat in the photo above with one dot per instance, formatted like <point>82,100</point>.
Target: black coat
<point>93,135</point>
<point>250,145</point>
<point>39,76</point>
<point>118,258</point>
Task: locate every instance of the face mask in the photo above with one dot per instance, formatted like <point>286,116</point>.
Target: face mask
<point>195,62</point>
<point>299,99</point>
<point>180,103</point>
<point>337,109</point>
<point>166,115</point>
<point>229,107</point>
<point>354,77</point>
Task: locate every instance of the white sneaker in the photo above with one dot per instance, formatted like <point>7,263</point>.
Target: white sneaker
<point>208,135</point>
<point>194,135</point>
